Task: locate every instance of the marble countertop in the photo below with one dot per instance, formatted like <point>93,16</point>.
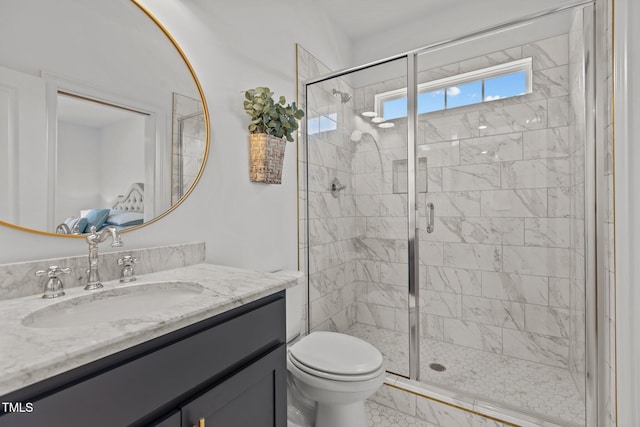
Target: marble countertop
<point>29,354</point>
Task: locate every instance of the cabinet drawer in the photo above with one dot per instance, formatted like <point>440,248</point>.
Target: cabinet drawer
<point>146,385</point>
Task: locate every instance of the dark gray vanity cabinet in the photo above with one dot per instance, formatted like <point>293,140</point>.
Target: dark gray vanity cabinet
<point>229,371</point>
<point>248,398</point>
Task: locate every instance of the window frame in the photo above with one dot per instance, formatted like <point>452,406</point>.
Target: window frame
<point>524,64</point>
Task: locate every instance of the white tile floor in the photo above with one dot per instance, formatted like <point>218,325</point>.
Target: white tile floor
<point>381,416</point>
<point>525,386</point>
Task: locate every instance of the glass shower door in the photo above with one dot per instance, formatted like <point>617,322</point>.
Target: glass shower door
<point>501,132</point>
<point>356,161</point>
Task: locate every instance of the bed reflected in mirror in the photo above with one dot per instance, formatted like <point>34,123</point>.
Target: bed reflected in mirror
<point>100,154</point>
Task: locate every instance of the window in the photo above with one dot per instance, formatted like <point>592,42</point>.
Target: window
<point>465,94</point>
<point>505,86</point>
<point>484,85</point>
<point>324,123</point>
<point>429,101</point>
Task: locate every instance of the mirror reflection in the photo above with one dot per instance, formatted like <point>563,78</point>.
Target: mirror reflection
<point>101,120</point>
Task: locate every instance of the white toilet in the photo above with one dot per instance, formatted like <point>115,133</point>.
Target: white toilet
<point>330,374</point>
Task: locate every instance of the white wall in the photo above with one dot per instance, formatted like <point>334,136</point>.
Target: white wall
<point>5,180</point>
<point>78,180</point>
<point>121,140</point>
<point>233,46</point>
<point>627,207</point>
<point>26,165</point>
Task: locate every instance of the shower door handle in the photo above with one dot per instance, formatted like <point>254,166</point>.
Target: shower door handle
<point>430,216</point>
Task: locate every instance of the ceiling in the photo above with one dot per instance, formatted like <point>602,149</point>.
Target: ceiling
<point>87,113</point>
<point>360,19</point>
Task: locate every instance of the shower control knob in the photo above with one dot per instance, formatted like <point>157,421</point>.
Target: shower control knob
<point>336,187</point>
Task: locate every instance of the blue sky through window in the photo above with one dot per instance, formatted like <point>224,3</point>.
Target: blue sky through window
<point>323,123</point>
<point>427,103</point>
<point>430,101</point>
<point>466,94</point>
<point>506,86</point>
<point>395,108</point>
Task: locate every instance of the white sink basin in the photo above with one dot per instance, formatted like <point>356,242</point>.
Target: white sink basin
<point>112,305</point>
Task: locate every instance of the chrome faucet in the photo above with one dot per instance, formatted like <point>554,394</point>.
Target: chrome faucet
<point>94,239</point>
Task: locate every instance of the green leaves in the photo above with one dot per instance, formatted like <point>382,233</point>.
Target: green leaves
<point>269,117</point>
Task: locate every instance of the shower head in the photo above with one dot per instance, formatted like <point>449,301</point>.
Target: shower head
<point>356,136</point>
<point>344,97</point>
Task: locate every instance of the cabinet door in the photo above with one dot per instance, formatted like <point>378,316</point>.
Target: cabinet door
<point>256,396</point>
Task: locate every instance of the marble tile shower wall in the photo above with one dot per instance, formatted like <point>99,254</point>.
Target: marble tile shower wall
<point>331,220</point>
<point>496,272</point>
<point>577,136</point>
<point>609,220</point>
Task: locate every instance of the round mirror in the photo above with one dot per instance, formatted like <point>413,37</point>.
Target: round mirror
<point>102,119</point>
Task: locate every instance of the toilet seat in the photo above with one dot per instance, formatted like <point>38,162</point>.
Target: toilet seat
<point>337,357</point>
<point>334,377</point>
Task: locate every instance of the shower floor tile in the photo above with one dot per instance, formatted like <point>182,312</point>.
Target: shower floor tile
<point>524,386</point>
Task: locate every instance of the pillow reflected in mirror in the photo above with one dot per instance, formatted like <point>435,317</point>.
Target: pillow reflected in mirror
<point>125,218</point>
<point>96,218</point>
<point>72,225</point>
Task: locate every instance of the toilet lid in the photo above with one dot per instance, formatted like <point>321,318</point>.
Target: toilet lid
<point>336,353</point>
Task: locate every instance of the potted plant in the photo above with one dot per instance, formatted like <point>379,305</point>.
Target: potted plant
<point>272,125</point>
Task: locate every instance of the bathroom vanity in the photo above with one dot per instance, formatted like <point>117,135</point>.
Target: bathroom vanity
<point>216,359</point>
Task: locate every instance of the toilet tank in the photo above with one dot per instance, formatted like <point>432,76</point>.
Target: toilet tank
<point>295,302</point>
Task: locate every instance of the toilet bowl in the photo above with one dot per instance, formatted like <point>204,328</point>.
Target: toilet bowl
<point>330,374</point>
<point>338,372</point>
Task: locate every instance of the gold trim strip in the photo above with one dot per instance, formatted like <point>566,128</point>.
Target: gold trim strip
<point>451,405</point>
<point>298,161</point>
<point>613,200</point>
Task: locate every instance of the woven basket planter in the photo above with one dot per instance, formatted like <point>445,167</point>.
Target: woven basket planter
<point>266,155</point>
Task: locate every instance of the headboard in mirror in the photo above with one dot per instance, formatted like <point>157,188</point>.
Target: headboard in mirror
<point>97,100</point>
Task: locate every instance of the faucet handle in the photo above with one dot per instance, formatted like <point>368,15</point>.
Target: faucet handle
<point>54,287</point>
<point>127,274</point>
<point>53,271</point>
<point>127,261</point>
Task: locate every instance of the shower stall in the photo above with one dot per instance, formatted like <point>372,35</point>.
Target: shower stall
<point>188,144</point>
<point>443,217</point>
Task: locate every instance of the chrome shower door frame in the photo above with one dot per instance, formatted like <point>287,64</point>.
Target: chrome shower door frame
<point>412,218</point>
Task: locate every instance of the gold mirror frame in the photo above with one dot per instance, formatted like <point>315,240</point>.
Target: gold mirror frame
<point>205,109</point>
